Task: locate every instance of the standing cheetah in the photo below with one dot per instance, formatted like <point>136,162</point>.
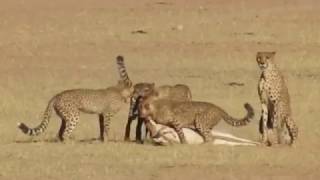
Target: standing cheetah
<point>177,92</point>
<point>199,116</point>
<point>68,105</point>
<point>275,101</point>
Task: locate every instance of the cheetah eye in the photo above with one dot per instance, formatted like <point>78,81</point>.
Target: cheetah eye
<point>267,57</point>
<point>259,59</point>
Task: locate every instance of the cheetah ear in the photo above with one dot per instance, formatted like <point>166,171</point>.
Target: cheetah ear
<point>272,54</point>
<point>155,93</point>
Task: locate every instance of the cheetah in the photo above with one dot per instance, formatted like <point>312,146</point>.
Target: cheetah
<point>177,92</point>
<point>199,116</point>
<point>275,102</point>
<point>69,103</point>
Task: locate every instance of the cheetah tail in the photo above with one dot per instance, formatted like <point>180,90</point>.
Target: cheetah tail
<point>123,72</point>
<point>243,121</point>
<point>43,125</point>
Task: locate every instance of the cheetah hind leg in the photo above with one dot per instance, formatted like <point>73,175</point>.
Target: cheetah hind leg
<point>293,130</point>
<point>177,127</point>
<point>284,137</point>
<point>62,129</point>
<point>205,133</point>
<point>70,119</point>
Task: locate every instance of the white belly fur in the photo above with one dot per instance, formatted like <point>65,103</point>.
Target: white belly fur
<point>169,136</point>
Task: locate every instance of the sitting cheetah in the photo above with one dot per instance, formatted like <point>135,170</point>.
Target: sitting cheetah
<point>68,105</point>
<point>275,101</point>
<point>199,116</point>
<point>177,92</point>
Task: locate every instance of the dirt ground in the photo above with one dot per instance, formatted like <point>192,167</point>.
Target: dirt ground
<point>50,46</point>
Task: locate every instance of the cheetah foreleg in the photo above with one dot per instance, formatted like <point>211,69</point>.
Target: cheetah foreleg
<point>264,119</point>
<point>264,111</point>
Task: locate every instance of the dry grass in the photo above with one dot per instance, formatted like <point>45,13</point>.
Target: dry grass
<point>47,47</point>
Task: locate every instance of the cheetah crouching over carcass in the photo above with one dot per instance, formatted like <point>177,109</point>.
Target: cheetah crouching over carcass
<point>179,92</point>
<point>199,116</point>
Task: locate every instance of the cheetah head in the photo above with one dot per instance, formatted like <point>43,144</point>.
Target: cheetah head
<point>264,59</point>
<point>146,106</point>
<point>143,89</point>
<point>140,90</point>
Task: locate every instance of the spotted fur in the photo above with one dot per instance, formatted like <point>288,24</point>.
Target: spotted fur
<point>275,102</point>
<point>200,116</point>
<point>179,92</point>
<point>68,105</point>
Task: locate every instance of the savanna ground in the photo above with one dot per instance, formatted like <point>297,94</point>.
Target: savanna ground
<point>50,46</point>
